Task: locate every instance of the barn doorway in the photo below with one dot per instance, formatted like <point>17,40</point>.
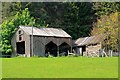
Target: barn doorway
<point>81,49</point>
<point>51,48</point>
<point>63,49</point>
<point>20,47</point>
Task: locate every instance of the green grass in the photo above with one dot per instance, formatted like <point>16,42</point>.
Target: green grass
<point>0,68</point>
<point>64,67</point>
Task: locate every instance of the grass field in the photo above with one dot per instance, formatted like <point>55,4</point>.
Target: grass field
<point>0,68</point>
<point>64,67</point>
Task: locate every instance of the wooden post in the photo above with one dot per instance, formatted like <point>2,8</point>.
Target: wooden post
<point>105,53</point>
<point>111,51</point>
<point>71,46</point>
<point>58,50</point>
<point>71,49</point>
<point>32,41</point>
<point>102,52</point>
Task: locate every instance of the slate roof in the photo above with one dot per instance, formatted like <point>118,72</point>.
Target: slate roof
<point>45,31</point>
<point>89,40</point>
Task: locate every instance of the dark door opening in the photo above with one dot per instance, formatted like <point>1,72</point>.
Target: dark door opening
<point>83,49</point>
<point>51,48</point>
<point>20,47</point>
<point>63,49</point>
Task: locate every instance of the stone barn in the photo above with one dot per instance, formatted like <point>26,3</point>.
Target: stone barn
<point>44,41</point>
<point>88,44</point>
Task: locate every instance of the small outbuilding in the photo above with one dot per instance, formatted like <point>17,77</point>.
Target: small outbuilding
<point>88,44</point>
<point>34,41</point>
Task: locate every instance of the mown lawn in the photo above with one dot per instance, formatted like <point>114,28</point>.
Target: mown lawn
<point>64,67</point>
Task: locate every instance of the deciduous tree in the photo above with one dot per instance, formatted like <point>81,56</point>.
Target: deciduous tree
<point>9,27</point>
<point>108,25</point>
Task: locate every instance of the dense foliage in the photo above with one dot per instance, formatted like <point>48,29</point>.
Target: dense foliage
<point>105,8</point>
<point>8,28</point>
<point>108,25</point>
<point>75,18</point>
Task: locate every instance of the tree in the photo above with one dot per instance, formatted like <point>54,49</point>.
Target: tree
<point>75,18</point>
<point>108,25</point>
<point>78,19</point>
<point>9,27</point>
<point>104,8</point>
<point>5,10</point>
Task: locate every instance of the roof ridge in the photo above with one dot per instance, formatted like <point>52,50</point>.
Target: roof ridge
<point>56,32</point>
